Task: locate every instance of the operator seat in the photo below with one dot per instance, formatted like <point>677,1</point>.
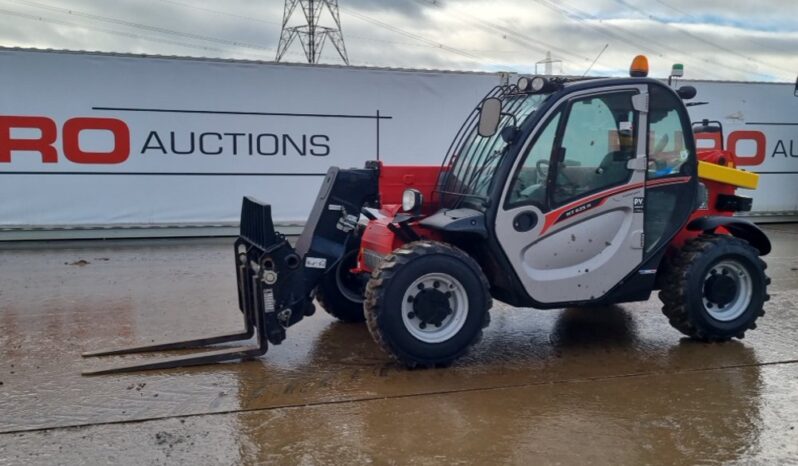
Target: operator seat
<point>613,168</point>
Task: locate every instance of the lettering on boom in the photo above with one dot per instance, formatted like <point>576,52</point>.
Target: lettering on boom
<point>213,143</point>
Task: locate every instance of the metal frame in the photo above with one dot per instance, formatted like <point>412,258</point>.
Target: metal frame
<point>312,36</point>
<point>256,301</point>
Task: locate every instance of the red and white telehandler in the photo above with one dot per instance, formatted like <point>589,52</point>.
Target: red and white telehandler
<point>555,192</point>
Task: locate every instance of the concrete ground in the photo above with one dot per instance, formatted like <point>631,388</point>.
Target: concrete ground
<point>615,385</point>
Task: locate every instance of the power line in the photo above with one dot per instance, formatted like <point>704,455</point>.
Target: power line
<point>411,35</point>
<point>574,14</point>
<point>508,33</point>
<point>701,39</point>
<point>220,12</point>
<point>571,15</point>
<point>369,38</point>
<point>146,27</point>
<point>106,31</point>
<point>434,45</point>
<point>697,20</point>
<point>584,19</point>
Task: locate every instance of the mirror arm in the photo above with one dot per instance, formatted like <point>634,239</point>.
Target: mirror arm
<point>515,120</point>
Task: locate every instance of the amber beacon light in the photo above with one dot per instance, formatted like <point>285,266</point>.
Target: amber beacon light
<point>639,68</point>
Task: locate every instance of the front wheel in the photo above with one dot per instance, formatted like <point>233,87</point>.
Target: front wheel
<point>427,303</point>
<point>715,288</point>
<point>340,291</point>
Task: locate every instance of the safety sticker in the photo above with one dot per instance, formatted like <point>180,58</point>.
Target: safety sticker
<point>639,203</point>
<point>315,262</point>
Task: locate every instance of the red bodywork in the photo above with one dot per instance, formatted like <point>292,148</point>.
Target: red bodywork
<point>378,238</point>
<point>714,188</point>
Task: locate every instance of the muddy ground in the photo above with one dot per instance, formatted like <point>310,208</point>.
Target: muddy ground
<point>613,385</point>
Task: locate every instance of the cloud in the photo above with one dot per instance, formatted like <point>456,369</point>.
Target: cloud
<point>715,39</point>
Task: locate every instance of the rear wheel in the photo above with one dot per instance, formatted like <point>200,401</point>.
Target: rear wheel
<point>715,288</point>
<point>340,292</point>
<point>427,303</point>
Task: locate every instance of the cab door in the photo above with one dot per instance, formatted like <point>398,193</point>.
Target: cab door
<point>571,217</point>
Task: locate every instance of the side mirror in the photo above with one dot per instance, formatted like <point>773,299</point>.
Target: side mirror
<point>489,116</point>
<point>687,92</point>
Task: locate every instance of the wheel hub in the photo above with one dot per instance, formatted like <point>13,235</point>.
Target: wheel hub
<point>431,306</point>
<point>728,290</point>
<point>720,289</point>
<point>435,307</point>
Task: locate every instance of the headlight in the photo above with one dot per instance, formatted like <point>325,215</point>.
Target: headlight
<point>411,200</point>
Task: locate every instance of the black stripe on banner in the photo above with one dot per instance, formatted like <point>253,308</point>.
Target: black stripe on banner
<point>230,112</point>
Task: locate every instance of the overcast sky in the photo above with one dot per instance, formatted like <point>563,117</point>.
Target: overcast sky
<point>715,39</point>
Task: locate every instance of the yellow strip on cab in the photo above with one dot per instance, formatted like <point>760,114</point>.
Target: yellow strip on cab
<point>732,176</point>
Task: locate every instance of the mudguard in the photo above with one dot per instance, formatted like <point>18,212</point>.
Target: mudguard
<point>736,227</point>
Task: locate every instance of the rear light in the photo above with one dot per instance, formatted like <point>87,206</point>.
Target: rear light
<point>733,203</point>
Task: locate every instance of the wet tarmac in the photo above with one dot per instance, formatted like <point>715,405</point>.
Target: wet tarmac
<point>613,385</point>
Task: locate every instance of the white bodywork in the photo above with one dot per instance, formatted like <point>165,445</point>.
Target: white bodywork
<point>585,256</point>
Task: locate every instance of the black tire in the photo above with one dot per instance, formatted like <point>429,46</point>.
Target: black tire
<point>686,286</point>
<point>340,293</point>
<point>386,294</point>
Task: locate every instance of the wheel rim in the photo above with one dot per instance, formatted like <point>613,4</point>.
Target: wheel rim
<point>435,307</point>
<point>728,289</point>
<point>350,286</point>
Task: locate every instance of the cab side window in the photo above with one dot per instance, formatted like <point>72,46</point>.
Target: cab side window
<point>529,182</point>
<point>598,140</point>
<point>666,148</point>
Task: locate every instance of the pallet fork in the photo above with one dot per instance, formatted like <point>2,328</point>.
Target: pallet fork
<point>256,279</point>
<point>276,281</point>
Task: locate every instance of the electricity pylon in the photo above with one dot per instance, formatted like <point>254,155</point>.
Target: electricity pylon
<point>311,35</point>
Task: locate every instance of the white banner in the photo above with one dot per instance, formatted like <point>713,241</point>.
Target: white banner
<point>760,124</point>
<point>96,139</point>
<point>112,140</point>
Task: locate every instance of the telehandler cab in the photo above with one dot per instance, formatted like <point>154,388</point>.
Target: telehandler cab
<point>555,192</point>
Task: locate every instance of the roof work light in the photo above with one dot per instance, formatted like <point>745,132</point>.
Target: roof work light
<point>639,68</point>
<point>538,84</point>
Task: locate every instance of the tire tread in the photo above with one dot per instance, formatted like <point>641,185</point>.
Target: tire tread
<point>673,293</point>
<point>382,275</point>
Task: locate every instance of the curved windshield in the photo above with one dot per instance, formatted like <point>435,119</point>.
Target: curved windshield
<point>468,171</point>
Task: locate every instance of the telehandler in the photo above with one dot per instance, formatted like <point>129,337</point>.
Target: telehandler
<point>555,192</point>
